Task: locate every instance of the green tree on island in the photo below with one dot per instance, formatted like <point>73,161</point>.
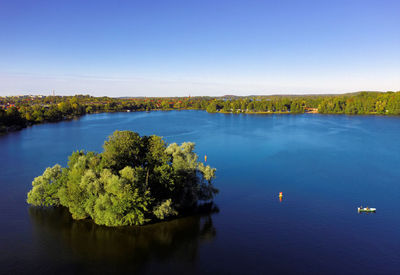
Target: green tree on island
<point>134,180</point>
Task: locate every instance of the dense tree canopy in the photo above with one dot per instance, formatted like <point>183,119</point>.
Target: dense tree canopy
<point>134,180</point>
<point>17,112</point>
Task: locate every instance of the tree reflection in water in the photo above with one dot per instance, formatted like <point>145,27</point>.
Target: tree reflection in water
<point>88,247</point>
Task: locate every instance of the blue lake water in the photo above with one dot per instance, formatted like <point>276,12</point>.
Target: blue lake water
<point>326,166</point>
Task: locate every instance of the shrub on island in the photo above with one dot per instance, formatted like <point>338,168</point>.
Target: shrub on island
<point>135,180</point>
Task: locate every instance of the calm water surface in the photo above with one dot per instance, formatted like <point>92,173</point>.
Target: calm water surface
<point>325,166</point>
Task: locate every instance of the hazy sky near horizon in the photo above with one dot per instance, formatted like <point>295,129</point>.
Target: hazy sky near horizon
<point>177,48</point>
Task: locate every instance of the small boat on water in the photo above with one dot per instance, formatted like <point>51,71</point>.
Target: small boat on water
<point>366,209</point>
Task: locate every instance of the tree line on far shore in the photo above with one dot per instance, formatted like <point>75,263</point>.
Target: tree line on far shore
<point>19,112</point>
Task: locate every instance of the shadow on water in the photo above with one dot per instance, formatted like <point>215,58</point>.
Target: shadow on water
<point>80,246</point>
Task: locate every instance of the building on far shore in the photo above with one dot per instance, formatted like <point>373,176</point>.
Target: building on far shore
<point>311,110</point>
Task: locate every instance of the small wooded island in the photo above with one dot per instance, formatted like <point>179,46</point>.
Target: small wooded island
<point>135,180</point>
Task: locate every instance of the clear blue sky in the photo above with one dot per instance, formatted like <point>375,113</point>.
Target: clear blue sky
<point>174,48</point>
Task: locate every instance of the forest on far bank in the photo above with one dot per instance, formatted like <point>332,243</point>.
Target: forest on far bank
<point>17,112</point>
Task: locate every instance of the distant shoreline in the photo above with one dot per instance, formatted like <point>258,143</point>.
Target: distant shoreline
<point>19,112</point>
<point>14,128</point>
